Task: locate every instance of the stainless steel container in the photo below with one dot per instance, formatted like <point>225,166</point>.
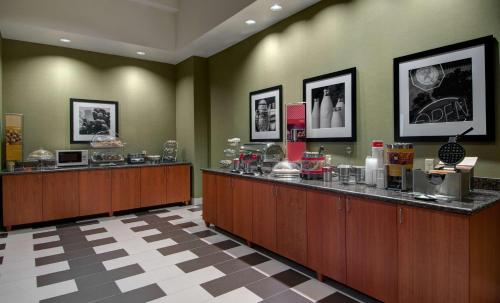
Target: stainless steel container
<point>344,174</point>
<point>327,174</point>
<point>453,185</point>
<point>359,174</point>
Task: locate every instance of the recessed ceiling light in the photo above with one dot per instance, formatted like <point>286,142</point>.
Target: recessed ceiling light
<point>140,53</point>
<point>65,40</point>
<point>250,22</point>
<point>276,7</point>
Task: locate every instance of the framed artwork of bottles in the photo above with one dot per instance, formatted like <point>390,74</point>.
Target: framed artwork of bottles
<point>331,106</point>
<point>265,115</point>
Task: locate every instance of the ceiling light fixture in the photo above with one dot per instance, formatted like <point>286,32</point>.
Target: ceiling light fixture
<point>65,40</point>
<point>250,22</point>
<point>276,7</point>
<point>141,53</point>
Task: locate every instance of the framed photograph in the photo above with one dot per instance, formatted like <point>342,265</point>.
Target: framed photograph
<point>331,106</point>
<point>265,115</point>
<point>444,91</point>
<point>89,117</point>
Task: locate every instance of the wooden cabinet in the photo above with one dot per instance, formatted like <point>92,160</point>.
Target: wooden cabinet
<point>372,248</point>
<point>22,199</point>
<point>94,192</point>
<point>242,208</point>
<point>326,234</point>
<point>153,186</point>
<point>291,227</point>
<point>209,213</point>
<point>264,215</point>
<point>433,256</point>
<point>224,202</point>
<point>178,183</point>
<point>125,188</point>
<point>60,195</point>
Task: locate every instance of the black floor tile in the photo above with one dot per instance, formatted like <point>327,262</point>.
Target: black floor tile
<point>204,233</point>
<point>182,247</point>
<point>226,244</point>
<point>199,263</point>
<point>254,259</point>
<point>290,278</point>
<point>2,246</point>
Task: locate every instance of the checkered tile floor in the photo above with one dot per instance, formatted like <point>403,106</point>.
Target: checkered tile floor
<point>165,255</point>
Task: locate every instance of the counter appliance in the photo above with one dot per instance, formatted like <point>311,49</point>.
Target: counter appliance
<point>260,157</point>
<point>65,158</point>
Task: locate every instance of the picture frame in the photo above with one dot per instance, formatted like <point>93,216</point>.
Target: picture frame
<point>441,92</point>
<point>335,121</point>
<point>266,112</point>
<point>88,117</point>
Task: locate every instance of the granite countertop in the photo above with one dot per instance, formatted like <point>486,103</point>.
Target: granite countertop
<point>476,201</point>
<point>80,168</point>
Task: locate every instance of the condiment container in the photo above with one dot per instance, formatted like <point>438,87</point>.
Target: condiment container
<point>370,167</point>
<point>327,174</point>
<point>378,152</point>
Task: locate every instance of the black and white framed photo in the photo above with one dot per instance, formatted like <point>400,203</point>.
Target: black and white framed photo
<point>89,117</point>
<point>444,91</point>
<point>331,106</point>
<point>265,115</point>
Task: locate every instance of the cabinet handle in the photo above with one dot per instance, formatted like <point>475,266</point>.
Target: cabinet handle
<point>275,192</point>
<point>348,205</point>
<point>400,215</point>
<point>339,204</point>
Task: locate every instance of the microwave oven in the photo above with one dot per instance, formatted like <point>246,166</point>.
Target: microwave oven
<point>72,157</point>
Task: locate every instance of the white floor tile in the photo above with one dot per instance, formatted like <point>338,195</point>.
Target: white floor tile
<point>271,267</point>
<point>189,280</point>
<point>215,239</point>
<point>149,277</point>
<point>314,290</point>
<point>240,295</point>
<point>54,290</point>
<point>194,294</point>
<point>239,251</point>
<point>98,236</point>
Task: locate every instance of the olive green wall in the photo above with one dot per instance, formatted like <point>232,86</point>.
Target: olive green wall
<point>39,80</point>
<point>193,114</point>
<point>335,35</point>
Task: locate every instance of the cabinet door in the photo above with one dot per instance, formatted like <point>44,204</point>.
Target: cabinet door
<point>225,203</point>
<point>264,215</point>
<point>326,234</point>
<point>209,198</point>
<point>125,188</point>
<point>95,192</point>
<point>22,199</point>
<point>242,208</point>
<point>178,183</point>
<point>372,248</point>
<point>153,186</point>
<point>433,256</point>
<point>60,195</point>
<point>291,227</point>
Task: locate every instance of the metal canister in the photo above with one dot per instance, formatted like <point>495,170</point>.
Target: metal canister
<point>327,174</point>
<point>359,174</point>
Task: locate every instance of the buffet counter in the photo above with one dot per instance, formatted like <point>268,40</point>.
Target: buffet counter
<point>381,242</point>
<point>31,196</point>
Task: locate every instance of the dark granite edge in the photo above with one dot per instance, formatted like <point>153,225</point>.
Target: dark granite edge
<point>384,195</point>
<point>86,168</point>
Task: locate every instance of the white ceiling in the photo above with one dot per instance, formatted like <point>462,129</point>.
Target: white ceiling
<point>167,30</point>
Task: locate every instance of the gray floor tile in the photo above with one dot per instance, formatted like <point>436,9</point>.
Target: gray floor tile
<point>108,276</point>
<point>88,295</point>
<point>205,250</point>
<point>69,274</point>
<point>195,264</point>
<point>267,287</point>
<point>97,258</point>
<point>64,256</point>
<point>287,297</point>
<point>231,282</point>
<point>231,266</point>
<point>182,247</point>
<point>143,294</point>
<point>87,244</point>
<point>204,233</point>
